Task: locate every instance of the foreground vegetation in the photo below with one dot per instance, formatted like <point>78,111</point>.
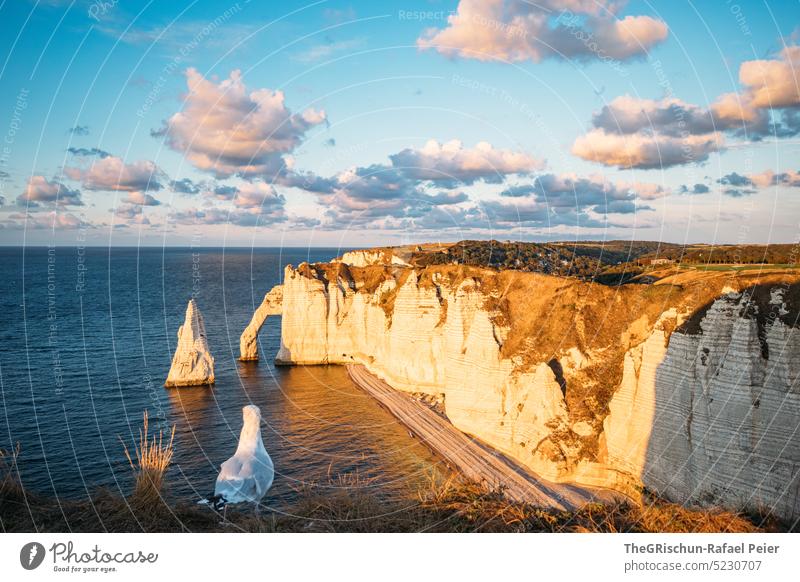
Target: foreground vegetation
<point>447,505</point>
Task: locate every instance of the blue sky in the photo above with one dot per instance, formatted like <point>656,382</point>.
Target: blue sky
<point>358,123</point>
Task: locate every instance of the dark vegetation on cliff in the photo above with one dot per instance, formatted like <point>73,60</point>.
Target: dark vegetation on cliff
<point>607,262</point>
<point>447,505</point>
<point>775,254</point>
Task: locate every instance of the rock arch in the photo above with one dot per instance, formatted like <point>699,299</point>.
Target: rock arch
<point>248,342</point>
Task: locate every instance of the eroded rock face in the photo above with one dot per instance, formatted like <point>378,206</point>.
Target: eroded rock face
<point>706,413</point>
<point>192,364</point>
<point>271,305</point>
<point>714,418</point>
<point>436,340</point>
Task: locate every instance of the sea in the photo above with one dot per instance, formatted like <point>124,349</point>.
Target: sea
<point>87,336</point>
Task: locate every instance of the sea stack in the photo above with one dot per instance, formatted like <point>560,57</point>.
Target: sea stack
<point>271,305</point>
<point>193,364</point>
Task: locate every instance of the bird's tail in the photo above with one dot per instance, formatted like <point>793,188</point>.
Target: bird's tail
<point>215,501</point>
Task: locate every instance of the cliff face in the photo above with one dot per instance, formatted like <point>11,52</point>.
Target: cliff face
<point>687,386</point>
<point>715,417</point>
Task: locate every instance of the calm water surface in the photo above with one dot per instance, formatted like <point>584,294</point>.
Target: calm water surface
<point>86,340</point>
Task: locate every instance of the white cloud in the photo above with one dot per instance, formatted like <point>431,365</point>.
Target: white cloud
<point>113,175</point>
<point>773,83</point>
<point>517,30</point>
<point>131,213</point>
<point>215,215</point>
<point>324,51</point>
<point>39,221</point>
<point>587,193</point>
<point>256,194</point>
<point>668,116</point>
<point>40,189</point>
<point>645,151</point>
<point>450,161</point>
<point>416,181</point>
<point>770,178</point>
<point>631,132</point>
<point>226,130</point>
<point>769,84</point>
<point>140,199</point>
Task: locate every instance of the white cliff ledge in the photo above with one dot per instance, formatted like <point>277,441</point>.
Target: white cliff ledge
<point>365,258</point>
<point>192,364</point>
<point>687,386</point>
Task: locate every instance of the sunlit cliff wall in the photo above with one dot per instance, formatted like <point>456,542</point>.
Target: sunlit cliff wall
<point>681,388</point>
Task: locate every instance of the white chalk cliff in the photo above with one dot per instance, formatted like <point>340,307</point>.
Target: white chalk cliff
<point>715,417</point>
<point>365,258</point>
<point>192,364</point>
<point>248,342</point>
<point>687,387</point>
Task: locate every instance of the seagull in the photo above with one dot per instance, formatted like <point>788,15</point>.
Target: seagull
<point>248,474</point>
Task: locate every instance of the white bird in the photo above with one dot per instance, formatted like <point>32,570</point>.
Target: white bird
<point>248,474</point>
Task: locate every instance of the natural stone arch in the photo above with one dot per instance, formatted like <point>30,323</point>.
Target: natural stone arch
<point>271,305</point>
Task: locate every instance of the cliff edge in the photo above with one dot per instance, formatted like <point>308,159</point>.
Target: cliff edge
<point>686,386</point>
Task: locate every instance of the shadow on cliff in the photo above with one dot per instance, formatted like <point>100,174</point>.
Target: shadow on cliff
<point>726,407</point>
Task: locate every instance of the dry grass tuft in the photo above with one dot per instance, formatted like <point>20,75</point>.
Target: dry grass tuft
<point>152,458</point>
<point>345,502</point>
<point>657,515</point>
<point>468,506</point>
